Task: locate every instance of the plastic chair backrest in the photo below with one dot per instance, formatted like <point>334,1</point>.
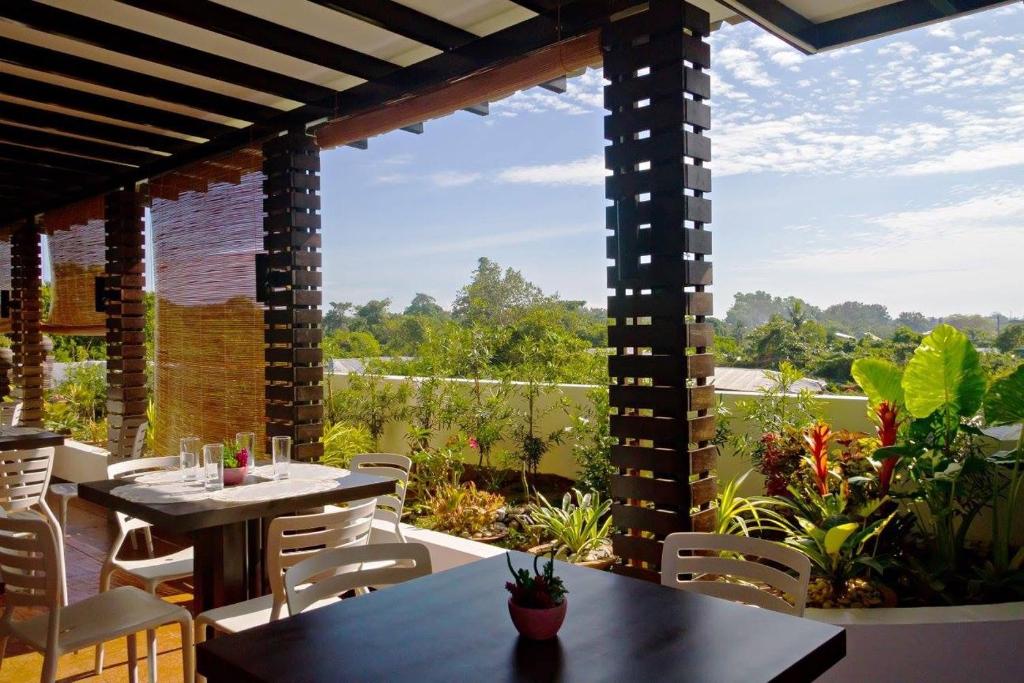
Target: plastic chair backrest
<point>31,565</point>
<point>127,469</point>
<point>24,477</point>
<point>295,538</point>
<point>402,562</point>
<point>139,444</point>
<point>679,559</point>
<point>389,507</point>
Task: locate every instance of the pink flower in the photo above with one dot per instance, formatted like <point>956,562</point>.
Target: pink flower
<point>243,457</point>
<point>473,443</point>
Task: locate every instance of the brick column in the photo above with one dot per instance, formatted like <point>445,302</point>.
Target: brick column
<point>126,319</point>
<point>26,317</point>
<point>660,397</point>
<point>293,315</point>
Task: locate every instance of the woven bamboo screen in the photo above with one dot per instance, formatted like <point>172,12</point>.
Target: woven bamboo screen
<point>207,223</point>
<point>75,236</point>
<point>5,278</point>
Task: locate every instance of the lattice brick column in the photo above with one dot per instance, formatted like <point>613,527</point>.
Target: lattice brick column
<point>126,318</point>
<point>659,394</point>
<point>26,316</point>
<point>293,301</point>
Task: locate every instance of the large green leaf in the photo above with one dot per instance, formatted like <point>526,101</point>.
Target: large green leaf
<point>880,379</point>
<point>944,375</point>
<point>1004,403</point>
<point>837,535</point>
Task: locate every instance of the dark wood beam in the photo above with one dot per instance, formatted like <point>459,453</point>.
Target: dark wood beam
<point>44,157</point>
<point>540,6</point>
<point>404,21</point>
<point>43,173</point>
<point>69,145</point>
<point>127,80</point>
<point>48,93</point>
<point>155,49</point>
<point>64,123</point>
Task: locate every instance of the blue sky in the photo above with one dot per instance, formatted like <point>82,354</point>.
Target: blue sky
<point>887,172</point>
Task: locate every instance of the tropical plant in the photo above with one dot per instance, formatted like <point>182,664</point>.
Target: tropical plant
<point>372,401</point>
<point>435,467</point>
<point>235,455</point>
<point>540,590</point>
<point>592,442</point>
<point>739,515</point>
<point>579,526</point>
<point>342,441</point>
<point>464,510</point>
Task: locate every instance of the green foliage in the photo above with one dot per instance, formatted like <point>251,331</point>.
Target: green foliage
<point>592,442</point>
<point>736,514</point>
<point>369,401</point>
<point>541,590</point>
<point>347,344</point>
<point>777,410</point>
<point>77,406</point>
<point>463,510</point>
<point>944,375</point>
<point>880,380</point>
<point>1011,338</point>
<point>581,525</point>
<point>494,297</point>
<point>342,441</point>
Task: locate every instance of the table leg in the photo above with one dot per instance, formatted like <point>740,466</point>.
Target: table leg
<point>221,573</point>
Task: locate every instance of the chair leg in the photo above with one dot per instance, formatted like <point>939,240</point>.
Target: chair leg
<point>133,540</point>
<point>149,540</point>
<point>105,575</point>
<point>151,653</point>
<point>188,652</point>
<point>133,658</point>
<point>3,650</point>
<point>50,662</point>
<point>64,513</point>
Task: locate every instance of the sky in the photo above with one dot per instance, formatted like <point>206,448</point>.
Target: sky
<point>888,172</point>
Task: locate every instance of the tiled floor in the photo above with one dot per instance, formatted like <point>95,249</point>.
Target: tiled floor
<point>86,545</point>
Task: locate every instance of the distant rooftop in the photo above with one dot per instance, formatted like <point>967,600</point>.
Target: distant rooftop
<point>755,379</point>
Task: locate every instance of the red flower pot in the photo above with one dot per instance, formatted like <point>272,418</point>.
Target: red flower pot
<point>537,624</point>
<point>233,476</point>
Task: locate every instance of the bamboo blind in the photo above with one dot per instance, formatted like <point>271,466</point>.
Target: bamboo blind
<point>75,236</point>
<point>207,223</point>
<point>5,278</point>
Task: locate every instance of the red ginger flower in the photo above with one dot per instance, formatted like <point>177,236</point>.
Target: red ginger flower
<point>888,427</point>
<point>817,439</point>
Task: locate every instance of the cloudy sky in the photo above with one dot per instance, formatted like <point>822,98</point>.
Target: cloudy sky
<point>890,172</point>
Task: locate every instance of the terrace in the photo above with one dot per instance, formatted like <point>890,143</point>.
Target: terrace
<point>210,118</point>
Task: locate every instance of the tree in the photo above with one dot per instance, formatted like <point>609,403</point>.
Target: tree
<point>337,318</point>
<point>855,317</point>
<point>1011,338</point>
<point>918,322</point>
<point>775,342</point>
<point>348,344</point>
<point>425,305</point>
<point>494,297</point>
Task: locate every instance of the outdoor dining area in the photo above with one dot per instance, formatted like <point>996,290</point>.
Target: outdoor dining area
<point>227,547</point>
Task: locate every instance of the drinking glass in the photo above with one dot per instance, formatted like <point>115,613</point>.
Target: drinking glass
<point>282,446</point>
<point>247,440</point>
<point>213,464</point>
<point>188,458</point>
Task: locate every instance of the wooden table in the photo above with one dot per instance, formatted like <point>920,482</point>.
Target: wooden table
<point>24,438</point>
<point>228,538</point>
<point>454,626</point>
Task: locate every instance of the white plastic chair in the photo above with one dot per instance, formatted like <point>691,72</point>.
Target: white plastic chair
<point>32,564</point>
<point>389,507</point>
<point>24,478</point>
<point>678,559</point>
<point>65,491</point>
<point>151,571</point>
<point>289,541</point>
<point>323,578</point>
<point>10,414</point>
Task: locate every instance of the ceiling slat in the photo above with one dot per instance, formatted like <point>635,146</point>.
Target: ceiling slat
<point>37,91</point>
<point>403,21</point>
<point>45,174</point>
<point>53,120</point>
<point>60,161</point>
<point>69,145</point>
<point>151,48</point>
<point>109,76</point>
<point>246,27</point>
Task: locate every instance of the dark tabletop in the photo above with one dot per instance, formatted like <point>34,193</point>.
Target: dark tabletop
<point>454,626</point>
<point>40,438</point>
<point>190,516</point>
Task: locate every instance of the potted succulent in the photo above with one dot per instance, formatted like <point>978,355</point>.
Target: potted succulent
<point>235,461</point>
<point>580,529</point>
<point>537,604</point>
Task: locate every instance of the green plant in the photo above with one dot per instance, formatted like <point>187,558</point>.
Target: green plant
<point>435,467</point>
<point>151,429</point>
<point>1003,405</point>
<point>464,510</point>
<point>579,526</point>
<point>541,590</point>
<point>342,441</point>
<point>736,514</point>
<point>235,455</point>
<point>370,400</point>
<point>592,442</point>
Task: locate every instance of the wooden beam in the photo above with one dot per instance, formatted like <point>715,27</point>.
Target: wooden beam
<point>491,84</point>
<point>77,146</point>
<point>404,21</point>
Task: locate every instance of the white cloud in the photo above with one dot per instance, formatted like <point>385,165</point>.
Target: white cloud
<point>587,171</point>
<point>583,95</point>
<point>787,59</point>
<point>453,178</point>
<point>943,30</point>
<point>745,66</point>
<point>996,155</point>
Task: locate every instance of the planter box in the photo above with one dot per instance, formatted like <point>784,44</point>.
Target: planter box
<point>935,644</point>
<point>79,462</point>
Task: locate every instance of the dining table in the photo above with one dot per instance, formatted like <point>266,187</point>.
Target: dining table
<point>455,626</point>
<point>25,438</point>
<point>228,527</point>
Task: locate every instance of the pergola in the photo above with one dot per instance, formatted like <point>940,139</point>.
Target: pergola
<point>118,105</point>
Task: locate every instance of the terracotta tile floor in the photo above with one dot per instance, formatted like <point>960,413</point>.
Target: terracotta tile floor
<point>86,545</point>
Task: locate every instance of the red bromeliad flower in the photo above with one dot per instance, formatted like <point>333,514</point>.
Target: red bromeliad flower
<point>473,443</point>
<point>888,427</point>
<point>817,439</point>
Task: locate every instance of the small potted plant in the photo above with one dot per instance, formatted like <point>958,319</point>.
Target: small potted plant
<point>235,461</point>
<point>537,604</point>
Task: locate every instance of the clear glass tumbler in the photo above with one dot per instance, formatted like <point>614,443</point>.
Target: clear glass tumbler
<point>247,440</point>
<point>188,458</point>
<point>282,446</point>
<point>213,466</point>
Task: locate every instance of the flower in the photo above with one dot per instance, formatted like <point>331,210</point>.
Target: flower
<point>473,443</point>
<point>817,439</point>
<point>887,430</point>
<point>243,457</point>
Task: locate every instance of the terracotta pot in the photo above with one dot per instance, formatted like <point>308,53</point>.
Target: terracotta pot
<point>538,624</point>
<point>233,476</point>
